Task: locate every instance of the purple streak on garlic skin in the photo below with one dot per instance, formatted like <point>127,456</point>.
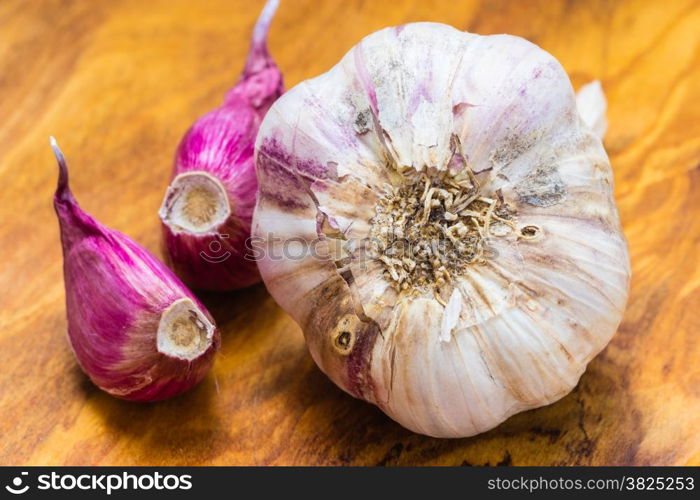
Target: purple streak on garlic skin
<point>135,329</point>
<point>208,208</point>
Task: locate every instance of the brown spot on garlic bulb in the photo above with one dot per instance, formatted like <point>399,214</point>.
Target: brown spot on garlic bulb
<point>343,335</point>
<point>466,260</point>
<point>530,232</point>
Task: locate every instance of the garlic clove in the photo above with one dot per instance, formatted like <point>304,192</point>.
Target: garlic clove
<point>418,131</point>
<point>471,150</point>
<point>135,329</point>
<point>591,104</point>
<point>207,210</point>
<point>292,233</point>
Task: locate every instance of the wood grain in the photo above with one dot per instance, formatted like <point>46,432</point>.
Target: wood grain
<point>119,81</point>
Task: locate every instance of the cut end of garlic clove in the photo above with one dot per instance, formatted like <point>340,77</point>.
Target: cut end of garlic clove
<point>195,202</point>
<point>184,332</point>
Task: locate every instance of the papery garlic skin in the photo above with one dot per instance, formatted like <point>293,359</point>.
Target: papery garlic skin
<point>591,105</point>
<point>208,207</point>
<point>135,329</point>
<point>510,331</point>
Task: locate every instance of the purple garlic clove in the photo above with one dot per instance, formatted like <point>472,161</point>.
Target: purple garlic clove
<point>136,330</point>
<point>208,208</point>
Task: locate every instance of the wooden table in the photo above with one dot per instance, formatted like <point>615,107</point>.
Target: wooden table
<point>119,81</point>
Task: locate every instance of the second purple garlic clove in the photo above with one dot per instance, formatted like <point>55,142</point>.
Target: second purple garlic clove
<point>208,208</point>
<point>135,329</point>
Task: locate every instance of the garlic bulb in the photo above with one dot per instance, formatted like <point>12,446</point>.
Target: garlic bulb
<point>440,221</point>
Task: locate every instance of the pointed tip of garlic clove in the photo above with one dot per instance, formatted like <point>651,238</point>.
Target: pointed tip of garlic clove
<point>262,26</point>
<point>73,221</point>
<point>261,82</point>
<point>62,189</point>
<point>258,56</point>
<point>592,105</point>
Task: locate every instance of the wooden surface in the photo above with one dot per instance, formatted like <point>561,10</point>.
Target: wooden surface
<point>119,81</point>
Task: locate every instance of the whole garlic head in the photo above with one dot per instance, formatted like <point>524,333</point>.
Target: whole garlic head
<point>440,221</point>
